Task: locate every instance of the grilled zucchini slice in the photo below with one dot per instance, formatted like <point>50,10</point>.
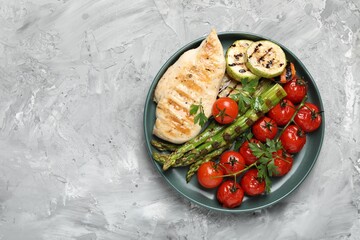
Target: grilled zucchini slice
<point>236,61</point>
<point>265,59</point>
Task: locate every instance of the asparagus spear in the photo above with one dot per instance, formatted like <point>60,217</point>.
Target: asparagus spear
<point>268,100</point>
<point>159,157</point>
<point>164,146</point>
<point>195,166</point>
<point>214,128</point>
<point>185,160</point>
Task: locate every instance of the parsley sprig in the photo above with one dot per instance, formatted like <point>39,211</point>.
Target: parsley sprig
<point>257,104</point>
<point>265,154</point>
<point>244,95</point>
<point>197,110</point>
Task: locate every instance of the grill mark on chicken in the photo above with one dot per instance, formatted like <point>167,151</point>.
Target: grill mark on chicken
<point>192,86</point>
<point>175,120</point>
<point>196,75</point>
<point>176,106</point>
<point>187,98</point>
<point>177,123</point>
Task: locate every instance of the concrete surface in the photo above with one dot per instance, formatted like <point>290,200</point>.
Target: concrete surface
<point>73,80</point>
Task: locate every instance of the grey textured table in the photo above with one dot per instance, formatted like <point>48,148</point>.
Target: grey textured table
<point>73,81</point>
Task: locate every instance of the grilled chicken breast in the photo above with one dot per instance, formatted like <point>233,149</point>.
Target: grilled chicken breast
<point>195,76</point>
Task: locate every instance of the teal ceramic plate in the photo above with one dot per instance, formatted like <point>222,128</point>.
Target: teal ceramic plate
<point>282,187</point>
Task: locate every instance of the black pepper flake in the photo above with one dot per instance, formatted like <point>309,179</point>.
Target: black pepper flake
<point>242,70</point>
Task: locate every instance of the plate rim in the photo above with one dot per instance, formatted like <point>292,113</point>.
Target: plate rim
<point>150,93</point>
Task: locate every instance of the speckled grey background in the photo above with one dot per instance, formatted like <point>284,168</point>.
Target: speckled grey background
<point>73,79</point>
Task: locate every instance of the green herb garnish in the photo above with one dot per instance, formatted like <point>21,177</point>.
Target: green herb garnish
<point>198,111</point>
<point>264,152</point>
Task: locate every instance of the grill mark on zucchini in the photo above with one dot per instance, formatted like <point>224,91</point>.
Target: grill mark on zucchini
<point>263,56</point>
<point>235,64</point>
<point>236,59</point>
<point>265,59</point>
<point>237,56</point>
<point>255,50</point>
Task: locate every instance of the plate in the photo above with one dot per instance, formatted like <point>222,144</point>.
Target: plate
<point>281,187</point>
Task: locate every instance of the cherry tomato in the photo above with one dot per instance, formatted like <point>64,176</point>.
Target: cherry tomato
<point>209,175</point>
<point>225,110</point>
<point>282,112</point>
<point>250,183</point>
<point>293,139</point>
<point>283,162</point>
<point>230,194</point>
<point>308,117</point>
<point>264,128</point>
<point>232,162</point>
<point>296,90</point>
<point>246,152</point>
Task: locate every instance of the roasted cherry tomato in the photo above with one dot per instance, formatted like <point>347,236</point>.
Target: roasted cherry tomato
<point>225,110</point>
<point>246,152</point>
<point>264,128</point>
<point>232,162</point>
<point>282,112</point>
<point>250,183</point>
<point>209,174</point>
<point>296,90</point>
<point>308,117</point>
<point>230,194</point>
<point>283,162</point>
<point>293,139</point>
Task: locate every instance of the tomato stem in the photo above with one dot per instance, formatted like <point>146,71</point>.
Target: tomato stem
<point>292,117</point>
<point>238,172</point>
